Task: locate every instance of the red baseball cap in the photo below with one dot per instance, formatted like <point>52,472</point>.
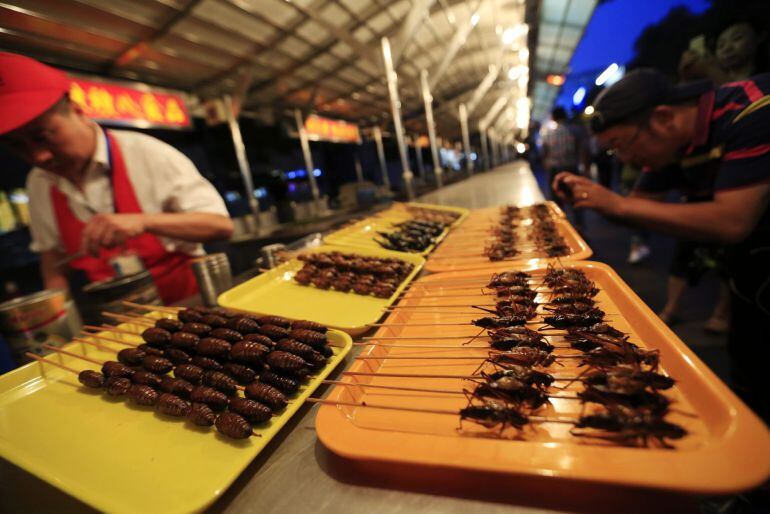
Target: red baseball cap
<point>28,88</point>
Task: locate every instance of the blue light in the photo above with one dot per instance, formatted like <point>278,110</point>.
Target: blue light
<point>291,174</point>
<point>316,172</point>
<point>292,187</point>
<point>473,156</point>
<point>260,192</point>
<point>232,196</point>
<point>579,96</point>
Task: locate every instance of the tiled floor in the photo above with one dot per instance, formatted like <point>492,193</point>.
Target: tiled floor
<point>515,184</point>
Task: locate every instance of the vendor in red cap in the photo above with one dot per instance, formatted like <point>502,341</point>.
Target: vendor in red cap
<point>713,147</point>
<point>96,193</point>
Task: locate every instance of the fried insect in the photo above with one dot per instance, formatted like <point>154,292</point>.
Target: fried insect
<point>242,374</point>
<point>227,334</point>
<point>267,394</point>
<point>116,369</point>
<point>172,405</point>
<point>177,356</point>
<point>190,372</point>
<point>310,337</point>
<point>141,394</point>
<point>199,329</point>
<point>185,341</point>
<point>156,336</point>
<point>217,400</point>
<point>285,384</point>
<point>522,356</point>
<point>626,426</point>
<point>169,324</point>
<point>118,386</point>
<point>220,382</point>
<point>201,414</point>
<point>287,362</point>
<point>214,321</point>
<point>91,378</point>
<point>206,363</point>
<point>277,321</point>
<point>233,426</point>
<point>243,324</point>
<point>309,325</point>
<point>156,364</point>
<point>213,347</point>
<point>177,386</point>
<point>249,352</point>
<point>146,378</point>
<point>273,332</point>
<point>190,316</point>
<point>493,413</point>
<point>251,410</point>
<point>131,356</point>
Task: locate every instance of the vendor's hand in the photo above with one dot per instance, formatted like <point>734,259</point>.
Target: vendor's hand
<point>109,230</point>
<point>587,194</point>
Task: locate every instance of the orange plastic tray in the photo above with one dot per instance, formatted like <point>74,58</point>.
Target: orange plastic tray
<point>463,249</point>
<point>727,449</point>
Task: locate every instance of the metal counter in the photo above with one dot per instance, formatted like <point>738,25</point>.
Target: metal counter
<point>296,474</point>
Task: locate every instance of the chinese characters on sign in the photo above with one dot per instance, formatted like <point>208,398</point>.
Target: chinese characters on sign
<point>110,102</point>
<point>336,131</point>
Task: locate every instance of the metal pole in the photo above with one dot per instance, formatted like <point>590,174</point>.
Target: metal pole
<point>491,137</point>
<point>418,151</point>
<point>466,138</point>
<point>243,162</point>
<point>381,156</point>
<point>427,99</point>
<point>359,170</point>
<point>484,148</point>
<point>307,155</point>
<point>395,107</point>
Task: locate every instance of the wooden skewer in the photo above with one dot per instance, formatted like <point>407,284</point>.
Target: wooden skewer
<point>111,339</point>
<point>129,319</point>
<point>426,390</point>
<point>52,363</point>
<point>446,346</point>
<point>534,419</point>
<point>94,343</point>
<point>377,338</point>
<point>75,355</point>
<point>394,388</point>
<point>109,328</point>
<point>160,308</point>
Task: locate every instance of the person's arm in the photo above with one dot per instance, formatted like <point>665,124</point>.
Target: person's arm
<point>53,276</point>
<point>115,229</point>
<point>729,218</point>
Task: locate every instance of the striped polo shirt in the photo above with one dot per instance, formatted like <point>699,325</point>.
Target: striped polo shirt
<point>731,147</point>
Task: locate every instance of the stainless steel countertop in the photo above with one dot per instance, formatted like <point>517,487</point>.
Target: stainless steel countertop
<point>295,473</point>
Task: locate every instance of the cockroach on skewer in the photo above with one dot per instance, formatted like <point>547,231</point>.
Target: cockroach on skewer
<point>632,397</point>
<point>627,426</point>
<point>628,375</point>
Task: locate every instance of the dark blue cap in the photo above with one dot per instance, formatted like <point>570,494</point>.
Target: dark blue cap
<point>638,91</point>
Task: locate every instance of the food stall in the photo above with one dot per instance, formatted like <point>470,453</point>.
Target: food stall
<point>462,352</point>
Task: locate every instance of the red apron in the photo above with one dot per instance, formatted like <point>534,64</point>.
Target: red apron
<point>171,270</point>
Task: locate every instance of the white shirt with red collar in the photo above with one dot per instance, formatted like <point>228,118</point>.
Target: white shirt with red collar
<point>164,180</point>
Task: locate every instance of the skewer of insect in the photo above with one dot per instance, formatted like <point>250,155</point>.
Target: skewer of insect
<point>616,424</point>
<point>232,423</point>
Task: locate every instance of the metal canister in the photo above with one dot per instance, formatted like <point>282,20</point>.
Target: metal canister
<point>214,276</point>
<point>109,295</point>
<point>45,317</point>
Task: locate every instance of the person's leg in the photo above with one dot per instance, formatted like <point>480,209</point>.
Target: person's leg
<point>719,322</point>
<point>676,288</point>
<point>677,279</point>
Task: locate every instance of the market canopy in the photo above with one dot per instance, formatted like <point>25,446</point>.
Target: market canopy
<point>318,55</point>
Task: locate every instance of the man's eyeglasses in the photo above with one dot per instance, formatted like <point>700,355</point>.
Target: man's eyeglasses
<point>623,147</point>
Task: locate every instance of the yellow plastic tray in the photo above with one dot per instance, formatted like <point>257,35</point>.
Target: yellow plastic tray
<point>276,293</point>
<point>118,457</point>
<point>362,233</point>
<point>727,449</point>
